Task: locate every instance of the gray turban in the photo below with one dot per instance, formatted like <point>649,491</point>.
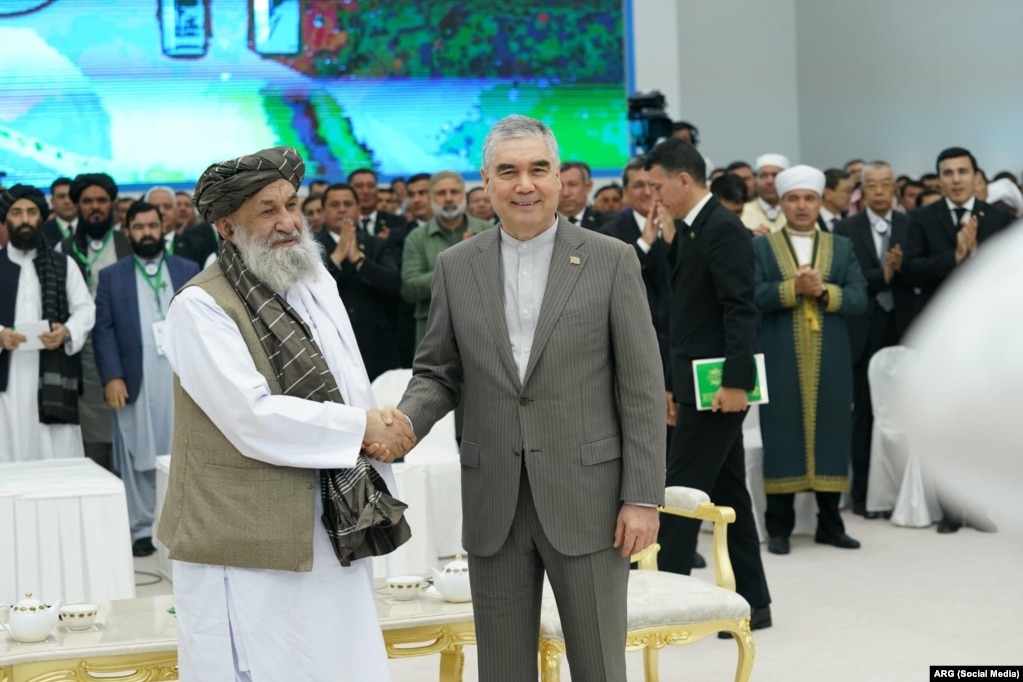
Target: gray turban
<point>29,192</point>
<point>225,186</point>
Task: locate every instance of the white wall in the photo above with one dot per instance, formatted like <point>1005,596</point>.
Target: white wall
<point>903,80</point>
<point>731,71</point>
<point>823,81</point>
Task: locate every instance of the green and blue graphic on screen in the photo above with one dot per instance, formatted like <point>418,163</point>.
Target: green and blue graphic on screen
<point>153,91</point>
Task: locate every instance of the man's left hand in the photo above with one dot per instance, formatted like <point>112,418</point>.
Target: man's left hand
<point>636,529</point>
<point>729,400</point>
<point>55,337</point>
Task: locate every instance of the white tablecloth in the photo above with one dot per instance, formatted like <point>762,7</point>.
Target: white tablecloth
<point>64,532</point>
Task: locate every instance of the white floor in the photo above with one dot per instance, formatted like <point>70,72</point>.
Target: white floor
<point>907,600</point>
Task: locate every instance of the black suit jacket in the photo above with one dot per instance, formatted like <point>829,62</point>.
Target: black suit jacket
<point>371,295</point>
<point>197,243</point>
<point>51,233</point>
<point>654,267</point>
<point>928,257</point>
<point>712,309</point>
<point>906,300</point>
<point>592,219</point>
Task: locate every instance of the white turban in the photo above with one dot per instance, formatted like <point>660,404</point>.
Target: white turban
<point>800,177</point>
<point>1005,191</point>
<point>772,160</point>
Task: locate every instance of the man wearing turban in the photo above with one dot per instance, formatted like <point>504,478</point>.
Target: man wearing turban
<point>807,283</point>
<point>94,246</point>
<point>763,214</point>
<point>38,387</point>
<point>273,508</point>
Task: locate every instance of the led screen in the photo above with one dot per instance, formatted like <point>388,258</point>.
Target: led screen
<point>153,91</point>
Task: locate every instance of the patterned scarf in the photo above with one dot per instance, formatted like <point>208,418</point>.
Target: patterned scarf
<point>361,517</point>
<point>58,373</point>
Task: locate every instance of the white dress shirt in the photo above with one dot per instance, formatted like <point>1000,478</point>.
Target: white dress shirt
<point>524,268</point>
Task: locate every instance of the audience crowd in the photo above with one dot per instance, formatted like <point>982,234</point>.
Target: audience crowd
<point>99,268</point>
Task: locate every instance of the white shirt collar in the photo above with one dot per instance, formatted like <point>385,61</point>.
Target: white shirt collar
<point>828,216</point>
<point>640,219</point>
<point>768,209</point>
<point>879,223</point>
<point>691,216</point>
<point>542,239</point>
<point>968,205</point>
<point>579,216</point>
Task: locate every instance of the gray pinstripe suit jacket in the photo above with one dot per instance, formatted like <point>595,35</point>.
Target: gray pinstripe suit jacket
<point>589,417</point>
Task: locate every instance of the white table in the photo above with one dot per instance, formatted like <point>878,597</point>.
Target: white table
<point>64,532</point>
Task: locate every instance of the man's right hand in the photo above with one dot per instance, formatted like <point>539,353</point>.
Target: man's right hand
<point>669,398</point>
<point>966,239</point>
<point>116,393</point>
<point>388,434</point>
<point>11,339</point>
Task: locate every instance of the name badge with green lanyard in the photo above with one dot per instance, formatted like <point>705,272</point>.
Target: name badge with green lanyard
<point>153,274</point>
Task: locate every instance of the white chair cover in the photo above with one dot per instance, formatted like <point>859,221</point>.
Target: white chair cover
<point>896,483</point>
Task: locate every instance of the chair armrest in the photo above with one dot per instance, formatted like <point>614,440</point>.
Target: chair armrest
<point>695,504</point>
<point>647,559</point>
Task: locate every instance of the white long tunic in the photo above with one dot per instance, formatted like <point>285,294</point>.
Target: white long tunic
<point>264,625</point>
<point>22,437</point>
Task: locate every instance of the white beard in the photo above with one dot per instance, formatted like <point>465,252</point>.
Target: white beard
<point>283,268</point>
<point>452,214</point>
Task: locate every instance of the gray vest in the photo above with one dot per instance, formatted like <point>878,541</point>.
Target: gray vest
<point>223,508</point>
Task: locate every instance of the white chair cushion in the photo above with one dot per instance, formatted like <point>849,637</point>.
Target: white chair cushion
<point>687,499</point>
<point>660,599</point>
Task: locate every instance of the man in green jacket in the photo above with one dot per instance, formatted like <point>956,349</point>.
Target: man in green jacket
<point>450,224</point>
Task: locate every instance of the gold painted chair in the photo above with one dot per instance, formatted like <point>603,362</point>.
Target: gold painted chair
<point>667,608</point>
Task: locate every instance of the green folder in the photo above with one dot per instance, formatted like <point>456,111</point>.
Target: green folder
<point>707,380</point>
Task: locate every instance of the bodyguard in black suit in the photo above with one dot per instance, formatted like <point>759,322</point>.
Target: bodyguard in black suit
<point>712,314</point>
<point>878,235</point>
<point>941,236</point>
<point>368,277</point>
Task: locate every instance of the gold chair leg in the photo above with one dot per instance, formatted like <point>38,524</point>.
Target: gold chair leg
<point>452,663</point>
<point>651,665</point>
<point>747,652</point>
<point>551,653</point>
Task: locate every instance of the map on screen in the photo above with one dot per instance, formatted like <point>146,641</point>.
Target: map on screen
<point>153,91</point>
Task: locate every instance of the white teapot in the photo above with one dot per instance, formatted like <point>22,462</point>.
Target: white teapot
<point>30,620</point>
<point>453,581</point>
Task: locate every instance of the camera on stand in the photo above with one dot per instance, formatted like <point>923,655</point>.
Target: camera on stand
<point>648,121</point>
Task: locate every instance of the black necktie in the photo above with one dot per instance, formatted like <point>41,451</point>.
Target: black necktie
<point>364,228</point>
<point>885,299</point>
<point>573,220</point>
<point>960,212</point>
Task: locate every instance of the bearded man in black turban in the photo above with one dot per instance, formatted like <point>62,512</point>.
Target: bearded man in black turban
<point>94,246</point>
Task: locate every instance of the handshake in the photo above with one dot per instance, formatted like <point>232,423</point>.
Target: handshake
<point>388,434</point>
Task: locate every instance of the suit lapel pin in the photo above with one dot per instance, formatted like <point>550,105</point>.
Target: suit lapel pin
<point>574,260</point>
<point>692,235</point>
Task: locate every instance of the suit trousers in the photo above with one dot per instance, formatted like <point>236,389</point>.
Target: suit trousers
<point>590,590</point>
<point>707,453</point>
<point>781,515</point>
<point>882,334</point>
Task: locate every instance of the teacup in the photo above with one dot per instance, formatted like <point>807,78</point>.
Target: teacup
<point>78,616</point>
<point>405,587</point>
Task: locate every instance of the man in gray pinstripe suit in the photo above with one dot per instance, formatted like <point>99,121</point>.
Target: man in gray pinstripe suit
<point>543,330</point>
